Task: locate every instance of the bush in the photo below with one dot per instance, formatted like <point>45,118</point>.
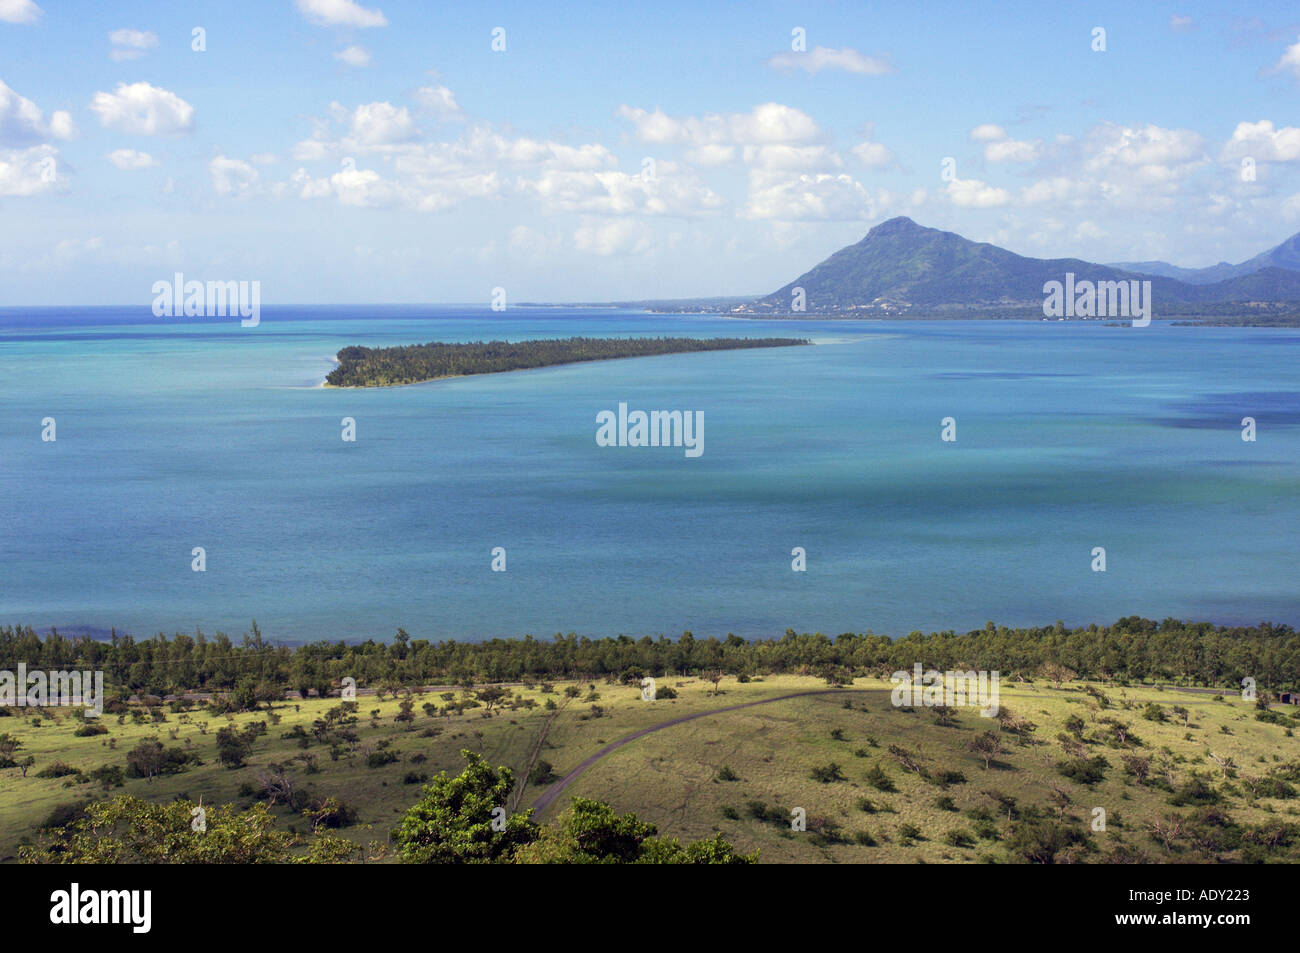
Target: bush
<point>877,778</point>
<point>828,773</point>
<point>959,839</point>
<point>542,773</point>
<point>1084,770</point>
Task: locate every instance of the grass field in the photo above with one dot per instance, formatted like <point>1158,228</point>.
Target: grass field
<point>712,773</point>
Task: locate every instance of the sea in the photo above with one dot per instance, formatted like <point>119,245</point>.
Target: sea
<point>1095,472</point>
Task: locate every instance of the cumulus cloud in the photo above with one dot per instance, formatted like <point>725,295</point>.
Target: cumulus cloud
<point>671,190</point>
<point>987,132</point>
<point>353,56</point>
<point>1290,61</point>
<point>232,176</point>
<point>341,13</point>
<point>382,124</point>
<point>768,123</point>
<point>27,172</point>
<point>998,147</point>
<point>438,101</point>
<point>130,44</point>
<point>807,197</point>
<point>130,159</point>
<point>872,154</point>
<point>19,11</point>
<point>972,193</point>
<point>144,110</point>
<point>23,123</point>
<point>1262,142</point>
<point>1012,150</point>
<point>824,58</point>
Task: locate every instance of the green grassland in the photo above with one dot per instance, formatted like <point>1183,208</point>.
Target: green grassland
<point>738,772</point>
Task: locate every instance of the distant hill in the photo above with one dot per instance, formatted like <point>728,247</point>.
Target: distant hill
<point>1286,255</point>
<point>902,266</point>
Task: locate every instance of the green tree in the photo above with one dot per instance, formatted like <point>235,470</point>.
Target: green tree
<point>453,823</point>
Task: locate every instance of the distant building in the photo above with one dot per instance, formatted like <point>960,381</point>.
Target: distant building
<point>1289,698</point>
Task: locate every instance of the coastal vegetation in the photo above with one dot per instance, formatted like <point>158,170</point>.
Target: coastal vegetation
<point>410,364</point>
<point>251,669</point>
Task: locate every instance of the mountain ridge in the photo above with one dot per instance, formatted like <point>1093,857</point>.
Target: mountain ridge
<point>900,265</point>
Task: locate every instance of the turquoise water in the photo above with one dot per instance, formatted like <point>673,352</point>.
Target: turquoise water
<point>178,433</point>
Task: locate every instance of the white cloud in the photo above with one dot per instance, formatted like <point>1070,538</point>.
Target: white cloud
<point>1181,24</point>
<point>19,11</point>
<point>673,190</point>
<point>808,197</point>
<point>999,148</point>
<point>131,44</point>
<point>768,123</point>
<point>824,58</point>
<point>61,125</point>
<point>972,193</point>
<point>382,124</point>
<point>873,154</point>
<point>353,56</point>
<point>142,109</point>
<point>1290,61</point>
<point>130,159</point>
<point>439,101</point>
<point>232,176</point>
<point>341,13</point>
<point>1262,142</point>
<point>22,122</point>
<point>1012,150</point>
<point>26,172</point>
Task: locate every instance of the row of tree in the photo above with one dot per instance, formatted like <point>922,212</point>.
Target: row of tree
<point>379,367</point>
<point>1134,649</point>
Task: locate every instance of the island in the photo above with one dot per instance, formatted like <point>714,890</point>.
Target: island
<point>413,363</point>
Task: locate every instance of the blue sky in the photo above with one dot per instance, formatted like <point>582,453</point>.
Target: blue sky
<point>342,151</point>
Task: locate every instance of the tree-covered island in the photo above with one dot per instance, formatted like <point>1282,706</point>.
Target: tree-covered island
<point>410,364</point>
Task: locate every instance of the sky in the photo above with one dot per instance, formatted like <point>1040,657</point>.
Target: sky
<point>341,151</point>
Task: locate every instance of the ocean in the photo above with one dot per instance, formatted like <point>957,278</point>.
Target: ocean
<point>177,433</point>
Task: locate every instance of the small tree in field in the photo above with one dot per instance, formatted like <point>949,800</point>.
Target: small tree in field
<point>988,746</point>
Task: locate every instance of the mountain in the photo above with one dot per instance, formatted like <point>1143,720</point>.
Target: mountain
<point>1286,255</point>
<point>901,265</point>
<point>1166,270</point>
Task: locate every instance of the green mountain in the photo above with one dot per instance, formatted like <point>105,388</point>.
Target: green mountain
<point>903,266</point>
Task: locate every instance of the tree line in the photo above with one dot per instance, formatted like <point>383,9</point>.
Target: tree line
<point>1133,649</point>
<point>408,364</point>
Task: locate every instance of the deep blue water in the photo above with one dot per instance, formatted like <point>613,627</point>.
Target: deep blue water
<point>177,433</point>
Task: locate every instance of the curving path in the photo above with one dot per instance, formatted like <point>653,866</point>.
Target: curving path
<point>555,790</point>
